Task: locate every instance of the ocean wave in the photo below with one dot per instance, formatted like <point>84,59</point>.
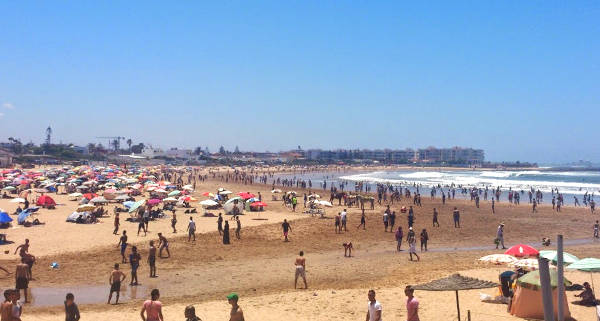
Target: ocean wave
<point>423,175</point>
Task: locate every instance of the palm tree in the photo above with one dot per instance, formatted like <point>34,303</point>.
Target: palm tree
<point>129,142</point>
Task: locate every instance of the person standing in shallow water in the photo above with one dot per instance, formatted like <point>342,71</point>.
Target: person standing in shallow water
<point>226,233</point>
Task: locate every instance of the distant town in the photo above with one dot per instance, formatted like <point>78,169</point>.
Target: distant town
<point>15,152</point>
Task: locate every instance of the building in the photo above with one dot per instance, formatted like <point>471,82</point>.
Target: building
<point>6,158</point>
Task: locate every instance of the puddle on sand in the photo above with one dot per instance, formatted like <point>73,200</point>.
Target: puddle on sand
<point>41,297</point>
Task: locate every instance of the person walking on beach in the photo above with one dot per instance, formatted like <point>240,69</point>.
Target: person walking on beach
<point>363,221</point>
<point>220,224</point>
<point>385,220</point>
<point>152,308</point>
<point>412,305</point>
<point>163,244</point>
<point>399,236</point>
<point>238,228</point>
<point>300,264</point>
<point>141,225</point>
<point>412,244</point>
<point>236,313</point>
<point>500,236</point>
<point>134,261</point>
<point>424,238</point>
<point>22,278</point>
<point>435,218</point>
<point>456,217</point>
<point>374,309</point>
<point>191,229</point>
<point>493,206</point>
<point>337,222</point>
<point>344,218</point>
<point>71,309</point>
<point>123,244</point>
<point>174,222</point>
<point>226,233</point>
<point>596,228</point>
<point>152,259</point>
<point>116,231</point>
<point>534,207</point>
<point>115,279</point>
<point>286,229</point>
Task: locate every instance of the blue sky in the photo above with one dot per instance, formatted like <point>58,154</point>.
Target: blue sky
<point>519,79</point>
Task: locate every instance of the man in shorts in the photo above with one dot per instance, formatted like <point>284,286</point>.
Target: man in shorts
<point>191,229</point>
<point>412,244</point>
<point>344,217</point>
<point>300,270</point>
<point>163,244</point>
<point>22,277</point>
<point>123,244</point>
<point>412,305</point>
<point>152,259</point>
<point>116,277</point>
<point>456,217</point>
<point>286,229</point>
<point>115,232</point>
<point>134,261</point>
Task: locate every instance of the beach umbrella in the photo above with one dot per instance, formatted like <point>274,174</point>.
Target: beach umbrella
<point>128,204</point>
<point>531,280</point>
<point>275,191</point>
<point>258,204</point>
<point>23,216</point>
<point>314,196</point>
<point>234,199</point>
<point>5,218</point>
<point>225,192</point>
<point>553,256</point>
<point>588,265</point>
<point>98,199</point>
<point>522,250</point>
<point>75,194</point>
<point>208,203</point>
<point>9,188</point>
<point>136,205</point>
<point>174,193</point>
<point>154,201</point>
<point>85,208</point>
<point>17,200</point>
<point>122,197</point>
<point>188,187</point>
<point>324,203</point>
<point>527,264</point>
<point>169,199</point>
<point>499,259</point>
<point>89,196</point>
<point>208,194</point>
<point>246,195</point>
<point>455,282</point>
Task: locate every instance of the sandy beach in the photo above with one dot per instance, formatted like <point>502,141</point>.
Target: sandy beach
<point>260,266</point>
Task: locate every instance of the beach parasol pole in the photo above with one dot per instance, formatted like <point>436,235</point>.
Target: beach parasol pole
<point>561,279</point>
<point>457,305</point>
<point>546,289</point>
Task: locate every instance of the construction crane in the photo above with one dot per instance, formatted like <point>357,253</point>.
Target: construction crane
<point>114,141</point>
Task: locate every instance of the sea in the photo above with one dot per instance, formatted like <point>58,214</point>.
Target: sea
<point>571,184</point>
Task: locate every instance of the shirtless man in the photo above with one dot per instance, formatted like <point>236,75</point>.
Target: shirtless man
<point>236,313</point>
<point>116,231</point>
<point>123,244</point>
<point>116,277</point>
<point>22,277</point>
<point>300,269</point>
<point>23,250</point>
<point>152,259</point>
<point>163,244</point>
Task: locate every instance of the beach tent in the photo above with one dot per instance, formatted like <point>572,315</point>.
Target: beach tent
<point>45,201</point>
<point>456,282</point>
<point>527,301</point>
<point>4,218</point>
<point>72,218</point>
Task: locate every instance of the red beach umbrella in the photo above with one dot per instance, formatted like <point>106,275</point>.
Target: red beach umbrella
<point>522,250</point>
